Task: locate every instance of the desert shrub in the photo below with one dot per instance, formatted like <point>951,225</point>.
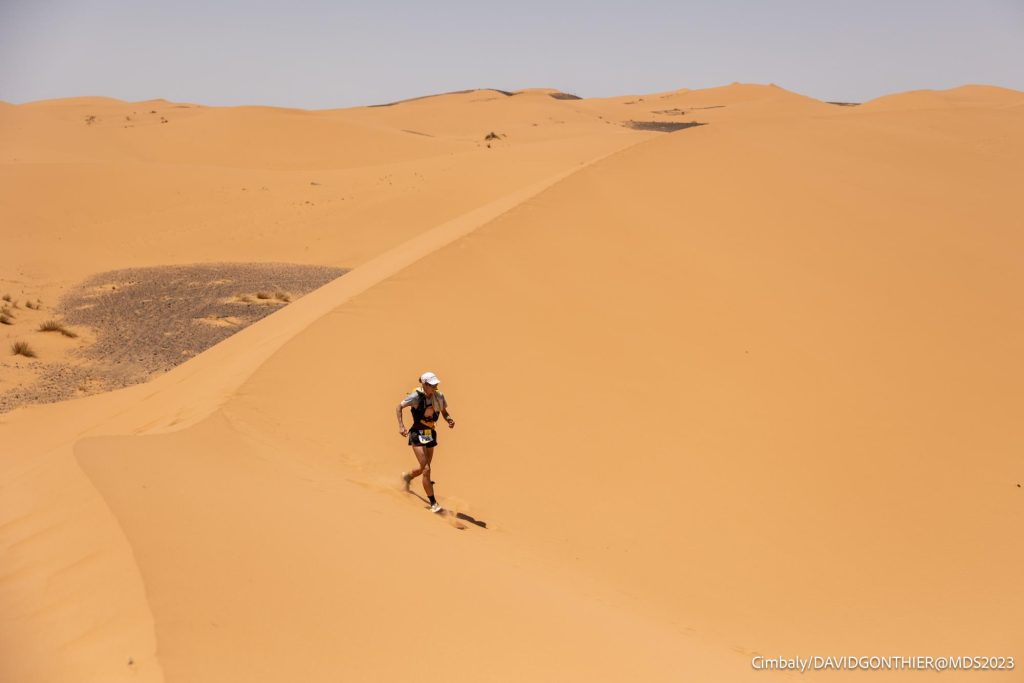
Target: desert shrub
<point>22,349</point>
<point>54,326</point>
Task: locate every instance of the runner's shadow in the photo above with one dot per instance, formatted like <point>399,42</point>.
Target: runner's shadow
<point>458,515</point>
<point>478,522</point>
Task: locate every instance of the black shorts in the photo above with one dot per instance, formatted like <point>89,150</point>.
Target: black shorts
<point>414,438</point>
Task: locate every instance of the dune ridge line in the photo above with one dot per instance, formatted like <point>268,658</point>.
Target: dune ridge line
<point>237,357</point>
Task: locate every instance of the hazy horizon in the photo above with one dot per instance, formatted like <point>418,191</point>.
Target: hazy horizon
<point>317,54</point>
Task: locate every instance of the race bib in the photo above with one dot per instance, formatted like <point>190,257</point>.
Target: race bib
<point>426,436</point>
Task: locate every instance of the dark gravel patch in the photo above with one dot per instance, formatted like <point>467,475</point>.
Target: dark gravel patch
<point>662,126</point>
<point>149,320</point>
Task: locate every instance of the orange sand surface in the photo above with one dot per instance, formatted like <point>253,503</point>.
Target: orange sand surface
<point>750,387</point>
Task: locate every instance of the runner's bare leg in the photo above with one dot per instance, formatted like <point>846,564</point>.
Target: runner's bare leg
<point>428,485</point>
<point>421,456</point>
<point>424,456</point>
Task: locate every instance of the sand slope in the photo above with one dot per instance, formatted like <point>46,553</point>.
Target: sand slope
<point>748,387</point>
<point>244,183</point>
<point>89,185</point>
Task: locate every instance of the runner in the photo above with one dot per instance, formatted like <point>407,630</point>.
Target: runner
<point>426,402</point>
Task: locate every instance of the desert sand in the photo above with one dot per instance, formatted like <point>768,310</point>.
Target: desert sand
<point>749,387</point>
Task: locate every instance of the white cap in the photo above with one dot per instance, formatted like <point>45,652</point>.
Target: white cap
<point>429,378</point>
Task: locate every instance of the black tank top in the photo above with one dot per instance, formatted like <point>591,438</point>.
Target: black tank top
<point>419,412</point>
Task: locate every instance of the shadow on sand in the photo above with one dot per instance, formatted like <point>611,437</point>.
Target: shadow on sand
<point>458,515</point>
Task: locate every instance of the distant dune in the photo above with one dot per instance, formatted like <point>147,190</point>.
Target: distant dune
<point>981,96</point>
<point>747,388</point>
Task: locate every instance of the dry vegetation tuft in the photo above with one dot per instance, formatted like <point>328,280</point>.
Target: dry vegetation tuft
<point>54,326</point>
<point>22,349</point>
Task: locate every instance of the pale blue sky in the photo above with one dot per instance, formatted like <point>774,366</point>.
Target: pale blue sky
<point>318,53</point>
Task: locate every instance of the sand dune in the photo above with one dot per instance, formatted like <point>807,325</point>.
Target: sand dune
<point>750,387</point>
<point>740,100</point>
<point>245,184</point>
<point>983,96</point>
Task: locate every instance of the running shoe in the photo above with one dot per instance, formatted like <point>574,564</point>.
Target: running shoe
<point>436,507</point>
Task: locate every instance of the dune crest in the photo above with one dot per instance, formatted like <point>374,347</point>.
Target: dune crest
<point>981,96</point>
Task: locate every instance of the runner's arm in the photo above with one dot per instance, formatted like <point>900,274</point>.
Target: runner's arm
<point>408,400</point>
